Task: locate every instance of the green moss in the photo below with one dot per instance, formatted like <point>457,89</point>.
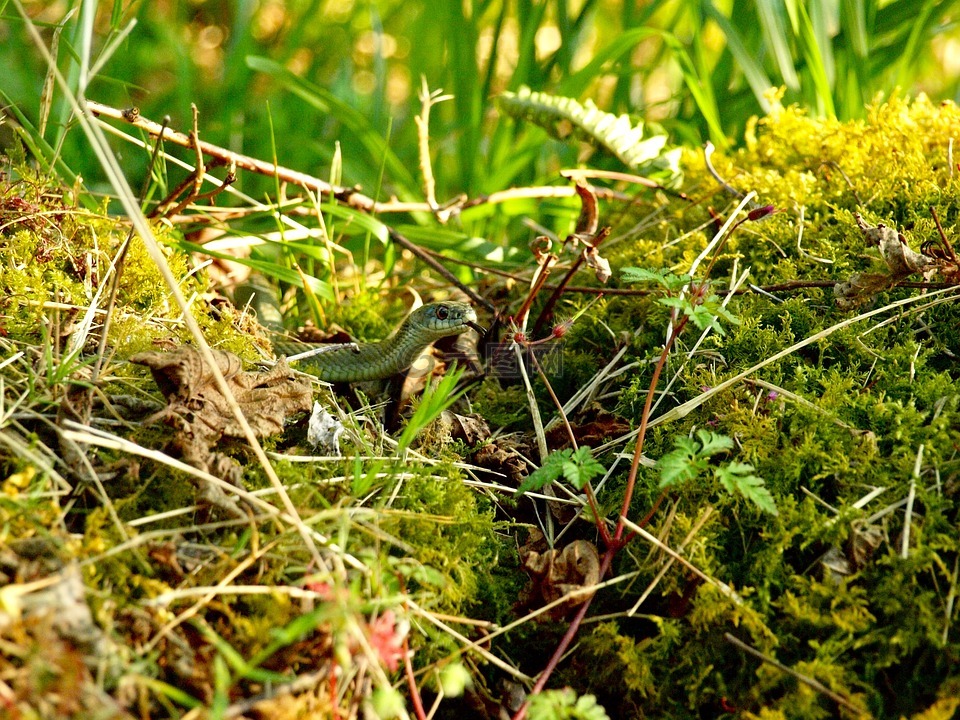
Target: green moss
<point>447,531</point>
<point>834,420</point>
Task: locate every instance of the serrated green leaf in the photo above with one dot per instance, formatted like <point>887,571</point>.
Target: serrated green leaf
<point>739,478</point>
<point>715,307</point>
<point>712,443</point>
<point>565,705</point>
<point>661,276</point>
<point>581,468</point>
<point>552,468</point>
<point>703,319</point>
<point>680,465</point>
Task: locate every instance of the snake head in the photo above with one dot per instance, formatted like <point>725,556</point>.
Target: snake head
<point>441,319</point>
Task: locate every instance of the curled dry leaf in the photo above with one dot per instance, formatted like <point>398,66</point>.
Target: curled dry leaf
<point>472,429</point>
<point>600,265</point>
<point>556,573</point>
<point>503,456</point>
<point>864,541</point>
<point>593,426</point>
<point>587,232</point>
<point>901,261</point>
<point>589,219</point>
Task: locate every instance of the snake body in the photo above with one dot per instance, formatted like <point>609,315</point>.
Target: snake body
<point>380,360</point>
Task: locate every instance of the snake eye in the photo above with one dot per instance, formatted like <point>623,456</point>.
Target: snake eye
<point>442,312</point>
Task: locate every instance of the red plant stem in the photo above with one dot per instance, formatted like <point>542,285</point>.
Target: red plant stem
<point>547,313</point>
<point>617,543</point>
<point>333,692</point>
<point>567,637</point>
<point>646,518</point>
<point>412,682</point>
<point>644,419</point>
<point>545,264</point>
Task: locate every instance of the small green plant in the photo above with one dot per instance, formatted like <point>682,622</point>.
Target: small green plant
<point>691,458</point>
<point>565,705</point>
<point>703,308</point>
<point>578,466</point>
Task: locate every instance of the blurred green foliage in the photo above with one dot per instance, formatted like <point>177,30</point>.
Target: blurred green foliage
<point>699,68</point>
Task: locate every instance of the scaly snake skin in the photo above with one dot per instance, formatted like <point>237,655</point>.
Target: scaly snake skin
<point>377,361</point>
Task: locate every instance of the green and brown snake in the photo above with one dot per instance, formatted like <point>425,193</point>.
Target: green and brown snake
<point>380,360</point>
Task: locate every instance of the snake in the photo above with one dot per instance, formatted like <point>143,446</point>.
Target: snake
<point>362,362</point>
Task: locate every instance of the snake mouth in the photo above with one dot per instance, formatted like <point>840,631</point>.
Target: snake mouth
<point>481,330</point>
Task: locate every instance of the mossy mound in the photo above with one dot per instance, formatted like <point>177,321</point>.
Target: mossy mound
<point>856,434</point>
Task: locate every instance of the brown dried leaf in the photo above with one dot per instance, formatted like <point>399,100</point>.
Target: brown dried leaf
<point>859,288</point>
<point>472,429</point>
<point>901,262</point>
<point>266,398</point>
<point>593,427</point>
<point>589,219</point>
<point>600,265</point>
<point>900,259</point>
<point>502,456</point>
<point>202,415</point>
<point>555,573</point>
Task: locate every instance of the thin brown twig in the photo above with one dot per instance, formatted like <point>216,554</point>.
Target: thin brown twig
<point>350,196</point>
<point>547,313</point>
<point>406,244</point>
<point>170,205</point>
<point>346,195</point>
<point>641,435</point>
<point>947,246</point>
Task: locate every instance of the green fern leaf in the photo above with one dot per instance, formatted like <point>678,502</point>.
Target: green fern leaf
<point>565,117</point>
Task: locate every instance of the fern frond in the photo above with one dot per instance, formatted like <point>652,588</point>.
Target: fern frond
<point>565,117</point>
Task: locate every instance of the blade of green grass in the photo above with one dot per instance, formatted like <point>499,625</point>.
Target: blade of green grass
<point>266,267</point>
<point>853,19</point>
<point>751,68</point>
<point>812,57</point>
<point>918,33</point>
<point>325,101</point>
<point>775,35</point>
